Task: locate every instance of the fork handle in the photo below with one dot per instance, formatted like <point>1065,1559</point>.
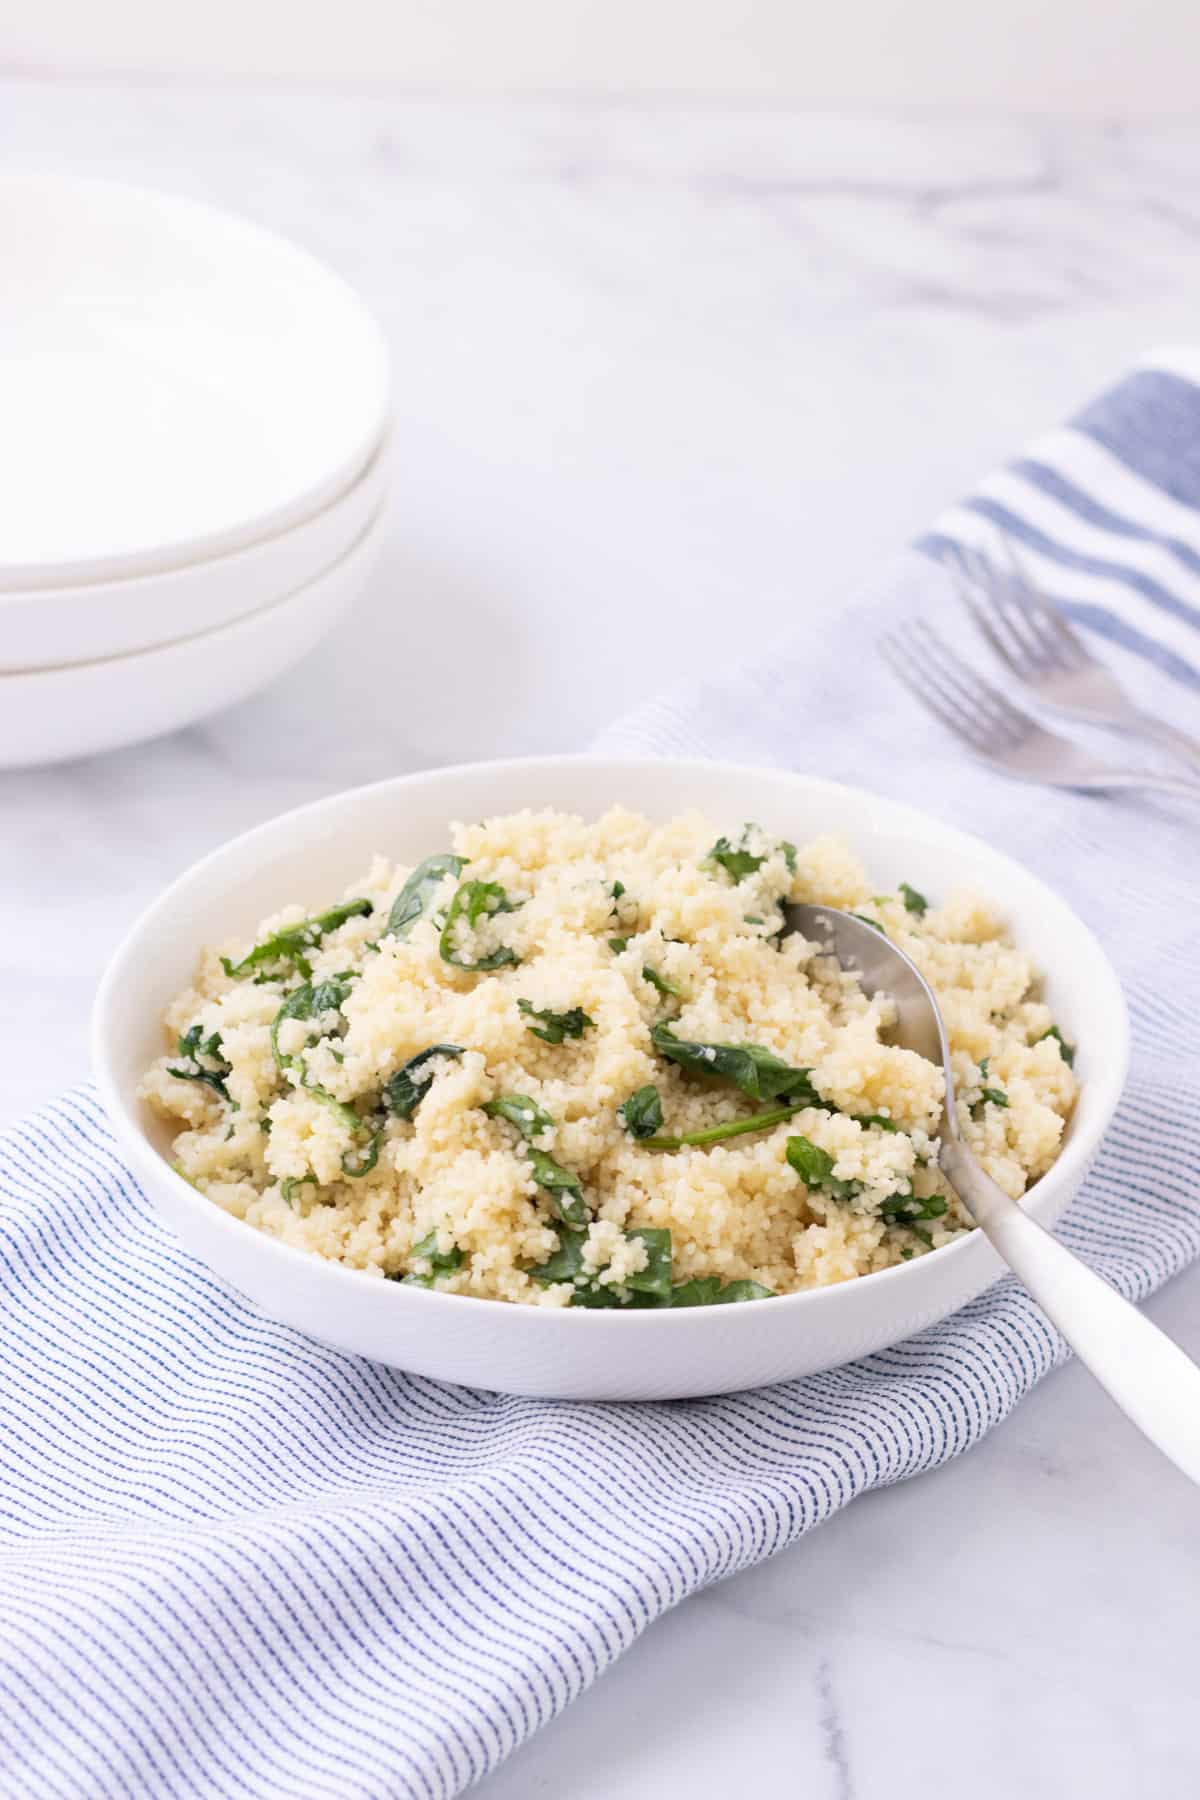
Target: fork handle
<point>1185,787</point>
<point>1169,736</point>
<point>1152,1381</point>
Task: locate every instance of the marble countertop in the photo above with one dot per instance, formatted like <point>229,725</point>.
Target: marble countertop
<point>663,364</point>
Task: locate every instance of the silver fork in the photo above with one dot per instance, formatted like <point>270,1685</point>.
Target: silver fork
<point>1034,640</point>
<point>998,732</point>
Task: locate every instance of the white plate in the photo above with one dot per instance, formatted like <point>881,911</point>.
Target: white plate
<point>176,382</point>
<point>312,855</point>
<point>60,713</point>
<point>53,628</point>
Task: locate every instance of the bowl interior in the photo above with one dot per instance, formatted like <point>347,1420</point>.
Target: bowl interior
<point>311,855</point>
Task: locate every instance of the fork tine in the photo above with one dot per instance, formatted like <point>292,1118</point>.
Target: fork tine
<point>968,578</point>
<point>926,684</point>
<point>971,686</point>
<point>1059,642</point>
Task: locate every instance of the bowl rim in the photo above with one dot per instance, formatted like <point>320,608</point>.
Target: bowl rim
<point>1073,1161</point>
<point>155,658</point>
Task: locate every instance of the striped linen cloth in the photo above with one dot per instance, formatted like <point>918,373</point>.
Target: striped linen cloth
<point>236,1563</point>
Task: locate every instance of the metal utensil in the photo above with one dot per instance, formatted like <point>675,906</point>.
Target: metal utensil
<point>1148,1376</point>
<point>998,732</point>
<point>1033,638</point>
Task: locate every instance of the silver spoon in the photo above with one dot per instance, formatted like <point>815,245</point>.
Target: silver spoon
<point>1148,1376</point>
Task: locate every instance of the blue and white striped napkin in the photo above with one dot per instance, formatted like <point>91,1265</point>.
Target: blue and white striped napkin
<point>236,1563</point>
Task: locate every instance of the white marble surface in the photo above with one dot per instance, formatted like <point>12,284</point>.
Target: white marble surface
<point>660,365</point>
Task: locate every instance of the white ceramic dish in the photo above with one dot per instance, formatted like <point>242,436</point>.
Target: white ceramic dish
<point>56,714</point>
<point>177,383</point>
<point>312,854</point>
<point>55,628</point>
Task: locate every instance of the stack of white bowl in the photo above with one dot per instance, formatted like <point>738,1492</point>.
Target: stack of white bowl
<point>193,462</point>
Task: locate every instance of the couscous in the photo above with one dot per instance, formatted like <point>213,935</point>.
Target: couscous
<point>576,1064</point>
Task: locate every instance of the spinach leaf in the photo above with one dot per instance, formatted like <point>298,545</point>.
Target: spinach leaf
<point>563,1186</point>
<point>310,1001</point>
<point>306,1002</point>
<point>706,1290</point>
<point>880,1119</point>
<point>406,1088</point>
<point>815,1169</point>
<point>650,1286</point>
<point>207,1065</point>
<point>996,1095</point>
<point>567,1261</point>
<point>530,1119</point>
<point>738,861</point>
<point>555,1026</point>
<point>873,923</point>
<point>616,945</point>
<point>356,1163</point>
<point>642,1113</point>
<point>475,900</point>
<point>415,897</point>
<point>1065,1050</point>
<point>754,1071</point>
<point>914,902</point>
<point>655,1278</point>
<point>441,1262</point>
<point>902,1209</point>
<point>730,1128</point>
<point>288,948</point>
<point>663,983</point>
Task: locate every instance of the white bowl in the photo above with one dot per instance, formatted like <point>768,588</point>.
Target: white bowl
<point>312,855</point>
<point>177,383</point>
<point>55,714</point>
<point>55,628</point>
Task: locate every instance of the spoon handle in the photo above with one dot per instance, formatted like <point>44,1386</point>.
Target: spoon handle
<point>1148,1376</point>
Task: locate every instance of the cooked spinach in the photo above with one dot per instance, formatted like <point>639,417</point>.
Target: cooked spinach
<point>616,945</point>
<point>362,1162</point>
<point>739,861</point>
<point>873,923</point>
<point>555,1026</point>
<point>753,1070</point>
<point>663,983</point>
<point>473,901</point>
<point>996,1095</point>
<point>902,1209</point>
<point>1065,1050</point>
<point>880,1119</point>
<point>730,1128</point>
<point>306,1002</point>
<point>530,1119</point>
<point>914,902</point>
<point>736,862</point>
<point>415,897</point>
<point>706,1290</point>
<point>406,1088</point>
<point>562,1185</point>
<point>815,1169</point>
<point>310,1001</point>
<point>650,1286</point>
<point>441,1262</point>
<point>289,947</point>
<point>642,1113</point>
<point>207,1065</point>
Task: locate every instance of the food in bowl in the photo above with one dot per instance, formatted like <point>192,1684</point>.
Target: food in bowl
<point>576,1064</point>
